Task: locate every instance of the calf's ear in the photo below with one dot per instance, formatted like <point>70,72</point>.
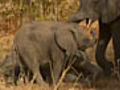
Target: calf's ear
<point>65,41</point>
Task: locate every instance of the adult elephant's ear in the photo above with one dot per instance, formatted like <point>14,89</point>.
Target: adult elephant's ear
<point>65,41</point>
<point>110,11</point>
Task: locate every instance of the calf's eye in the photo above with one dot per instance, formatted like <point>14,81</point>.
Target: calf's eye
<point>93,32</point>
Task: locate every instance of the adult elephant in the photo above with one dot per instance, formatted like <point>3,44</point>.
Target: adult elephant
<point>108,14</point>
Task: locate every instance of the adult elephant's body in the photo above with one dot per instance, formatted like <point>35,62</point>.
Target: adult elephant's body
<point>108,14</point>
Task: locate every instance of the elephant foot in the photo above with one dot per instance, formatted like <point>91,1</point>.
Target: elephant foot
<point>108,69</point>
<point>39,81</point>
<point>42,83</point>
<point>118,65</point>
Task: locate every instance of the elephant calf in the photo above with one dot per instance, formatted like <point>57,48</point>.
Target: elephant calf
<point>38,43</point>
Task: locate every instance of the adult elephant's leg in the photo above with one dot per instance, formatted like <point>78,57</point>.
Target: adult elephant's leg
<point>104,38</point>
<point>116,40</point>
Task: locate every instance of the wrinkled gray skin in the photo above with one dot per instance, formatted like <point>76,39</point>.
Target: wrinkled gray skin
<point>38,43</point>
<point>108,14</point>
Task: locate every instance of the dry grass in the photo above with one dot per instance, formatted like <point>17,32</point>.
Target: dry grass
<point>6,43</point>
<point>106,84</point>
<point>35,87</point>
